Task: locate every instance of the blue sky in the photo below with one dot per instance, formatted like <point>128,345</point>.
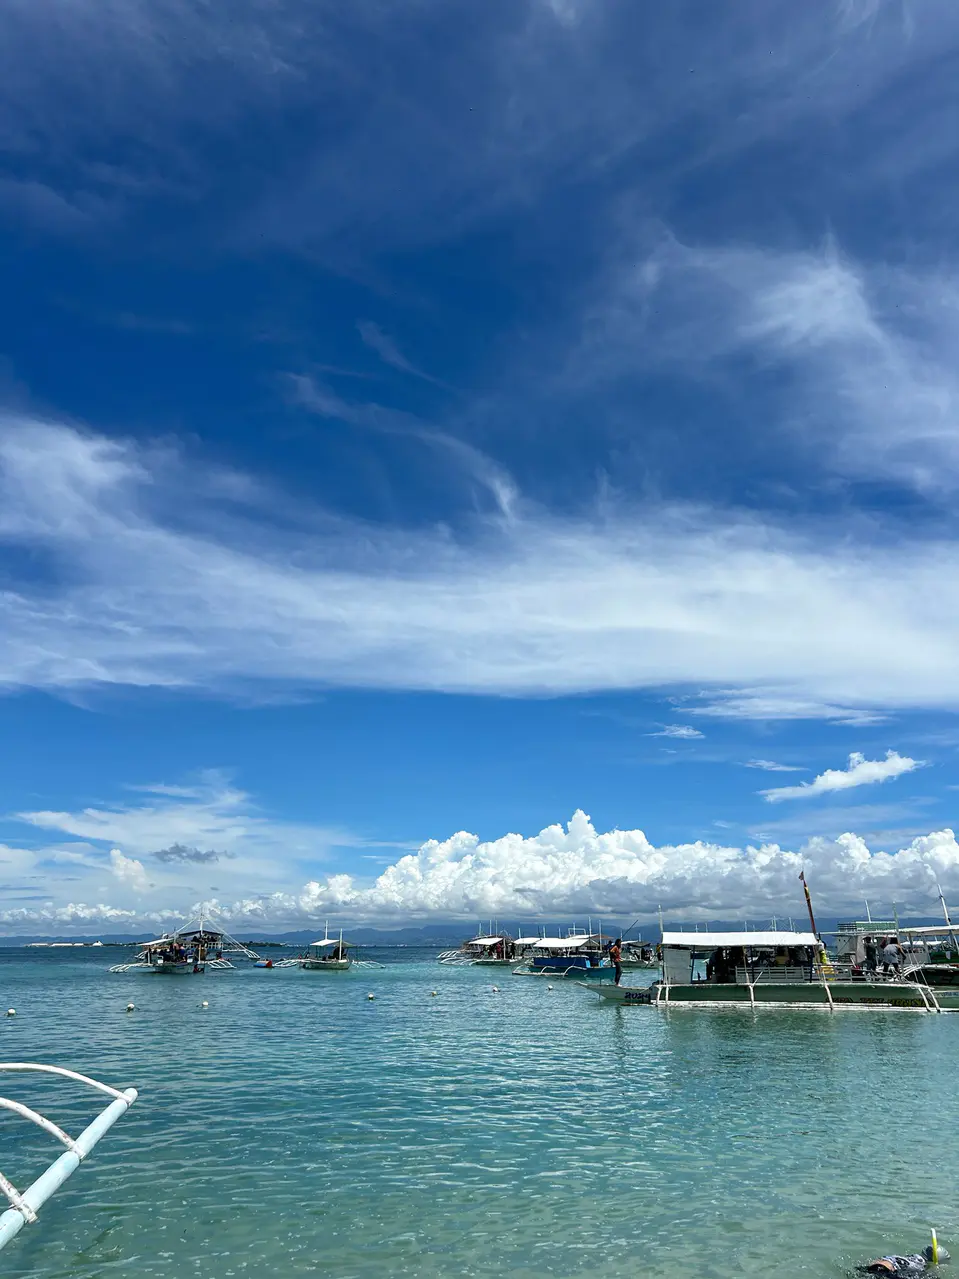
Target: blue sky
<point>440,418</point>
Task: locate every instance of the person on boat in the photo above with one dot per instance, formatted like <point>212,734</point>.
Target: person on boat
<point>871,950</point>
<point>893,955</point>
<point>616,959</point>
<point>916,1263</point>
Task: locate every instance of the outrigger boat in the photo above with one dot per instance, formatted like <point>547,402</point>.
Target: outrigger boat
<point>24,1205</point>
<point>192,948</point>
<point>638,954</point>
<point>328,955</point>
<point>490,950</point>
<point>579,954</point>
<point>930,952</point>
<point>773,968</point>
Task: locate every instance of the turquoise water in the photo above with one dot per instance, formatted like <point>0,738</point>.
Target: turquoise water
<point>296,1128</point>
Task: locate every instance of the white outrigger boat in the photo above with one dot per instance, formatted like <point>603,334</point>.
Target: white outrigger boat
<point>772,968</point>
<point>328,955</point>
<point>24,1205</point>
<point>490,950</point>
<point>192,948</point>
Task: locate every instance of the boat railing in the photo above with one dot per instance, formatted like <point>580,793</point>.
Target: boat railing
<point>24,1205</point>
<point>774,973</point>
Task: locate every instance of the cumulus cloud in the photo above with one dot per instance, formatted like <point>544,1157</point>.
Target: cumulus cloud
<point>859,772</point>
<point>572,870</point>
<point>158,585</point>
<point>129,871</point>
<point>682,731</point>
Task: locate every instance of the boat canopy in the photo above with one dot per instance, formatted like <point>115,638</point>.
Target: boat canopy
<point>328,941</point>
<point>560,943</point>
<point>485,941</point>
<point>928,930</point>
<point>527,941</point>
<point>722,941</point>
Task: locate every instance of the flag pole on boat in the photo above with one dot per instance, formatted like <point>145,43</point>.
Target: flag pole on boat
<point>805,888</point>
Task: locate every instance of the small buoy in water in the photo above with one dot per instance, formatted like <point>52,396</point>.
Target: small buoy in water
<point>11,1012</point>
<point>549,988</point>
<point>496,990</point>
<point>371,995</point>
<point>130,1007</point>
<point>433,992</point>
<point>205,1004</point>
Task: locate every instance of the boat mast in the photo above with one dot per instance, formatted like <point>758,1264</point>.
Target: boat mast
<point>812,917</point>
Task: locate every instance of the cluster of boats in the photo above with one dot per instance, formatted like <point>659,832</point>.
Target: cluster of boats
<point>580,953</point>
<point>873,964</point>
<point>200,945</point>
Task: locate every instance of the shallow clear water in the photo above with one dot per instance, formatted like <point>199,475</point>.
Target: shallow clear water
<point>296,1128</point>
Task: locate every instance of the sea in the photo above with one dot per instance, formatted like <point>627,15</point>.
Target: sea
<point>466,1122</point>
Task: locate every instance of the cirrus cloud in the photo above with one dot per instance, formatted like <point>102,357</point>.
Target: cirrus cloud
<point>170,577</point>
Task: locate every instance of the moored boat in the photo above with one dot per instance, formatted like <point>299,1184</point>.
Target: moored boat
<point>328,955</point>
<point>579,954</point>
<point>490,950</point>
<point>771,968</point>
<point>191,949</point>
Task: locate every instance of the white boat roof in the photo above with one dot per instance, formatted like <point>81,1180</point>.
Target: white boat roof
<point>928,930</point>
<point>527,941</point>
<point>715,941</point>
<point>484,941</point>
<point>560,943</point>
<point>328,941</point>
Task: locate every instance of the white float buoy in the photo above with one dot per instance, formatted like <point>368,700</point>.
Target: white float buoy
<point>433,992</point>
<point>496,990</point>
<point>371,995</point>
<point>131,1008</point>
<point>205,1004</point>
<point>549,988</point>
<point>11,1012</point>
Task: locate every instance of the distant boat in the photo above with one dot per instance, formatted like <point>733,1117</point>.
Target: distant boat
<point>579,954</point>
<point>189,950</point>
<point>328,955</point>
<point>488,949</point>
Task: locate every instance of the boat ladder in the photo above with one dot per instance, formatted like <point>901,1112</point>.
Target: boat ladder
<point>925,990</point>
<point>25,1205</point>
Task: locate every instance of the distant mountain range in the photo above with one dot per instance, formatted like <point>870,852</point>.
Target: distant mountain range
<point>444,934</point>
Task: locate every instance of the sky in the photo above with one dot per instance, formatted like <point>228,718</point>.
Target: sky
<point>476,461</point>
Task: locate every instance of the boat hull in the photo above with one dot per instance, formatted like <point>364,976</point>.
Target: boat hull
<point>327,965</point>
<point>794,994</point>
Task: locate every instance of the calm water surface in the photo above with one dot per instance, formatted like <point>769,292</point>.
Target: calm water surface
<point>295,1128</point>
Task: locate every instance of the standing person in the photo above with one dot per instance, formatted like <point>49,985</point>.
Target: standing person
<point>872,955</point>
<point>892,954</point>
<point>616,958</point>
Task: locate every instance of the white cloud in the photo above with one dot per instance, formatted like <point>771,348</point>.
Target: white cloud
<point>129,871</point>
<point>872,390</point>
<point>682,731</point>
<point>770,766</point>
<point>859,772</point>
<point>157,584</point>
<point>570,871</point>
